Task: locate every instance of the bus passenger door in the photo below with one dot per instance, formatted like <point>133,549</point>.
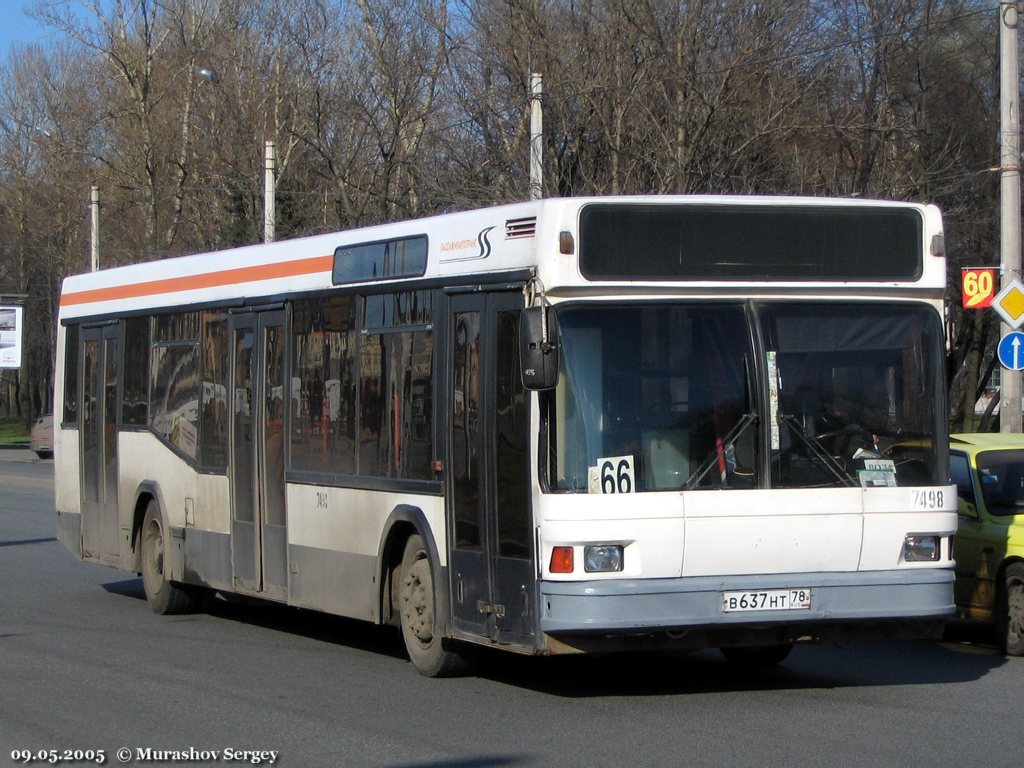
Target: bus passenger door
<point>491,564</point>
<point>258,530</point>
<point>100,357</point>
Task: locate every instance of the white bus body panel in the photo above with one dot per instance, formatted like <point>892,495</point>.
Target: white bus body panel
<point>742,531</point>
<point>189,498</point>
<point>474,241</point>
<point>334,540</point>
<point>843,546</point>
<point>351,520</point>
<point>67,486</point>
<point>561,274</point>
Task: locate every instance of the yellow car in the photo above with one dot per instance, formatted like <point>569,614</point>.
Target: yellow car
<point>988,470</point>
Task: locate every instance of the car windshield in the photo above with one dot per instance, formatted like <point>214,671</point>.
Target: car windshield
<point>1002,481</point>
<point>659,396</point>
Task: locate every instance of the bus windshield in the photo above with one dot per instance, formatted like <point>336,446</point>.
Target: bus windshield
<point>856,384</point>
<point>667,396</point>
<point>658,385</point>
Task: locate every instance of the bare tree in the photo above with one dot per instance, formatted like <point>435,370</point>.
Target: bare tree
<point>384,110</point>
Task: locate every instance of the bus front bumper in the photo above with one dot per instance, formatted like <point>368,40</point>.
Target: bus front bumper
<point>911,596</point>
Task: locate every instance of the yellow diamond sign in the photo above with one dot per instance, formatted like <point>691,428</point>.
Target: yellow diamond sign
<point>1009,303</point>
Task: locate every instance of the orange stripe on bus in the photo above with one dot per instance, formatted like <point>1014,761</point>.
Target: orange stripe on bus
<point>206,280</point>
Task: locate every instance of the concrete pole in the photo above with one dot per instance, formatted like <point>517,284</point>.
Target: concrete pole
<point>1009,193</point>
<point>94,240</point>
<point>536,138</point>
<point>269,193</point>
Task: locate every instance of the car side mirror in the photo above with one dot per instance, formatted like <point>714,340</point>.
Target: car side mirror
<point>538,356</point>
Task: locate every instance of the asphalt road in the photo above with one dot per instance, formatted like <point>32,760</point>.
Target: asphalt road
<point>84,665</point>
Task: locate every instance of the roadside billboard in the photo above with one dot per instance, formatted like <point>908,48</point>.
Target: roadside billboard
<point>10,336</point>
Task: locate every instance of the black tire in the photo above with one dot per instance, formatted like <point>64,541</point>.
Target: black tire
<point>418,616</point>
<point>761,656</point>
<point>44,454</point>
<point>163,596</point>
<point>1010,611</point>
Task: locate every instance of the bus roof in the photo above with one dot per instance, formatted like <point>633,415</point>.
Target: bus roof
<point>499,239</point>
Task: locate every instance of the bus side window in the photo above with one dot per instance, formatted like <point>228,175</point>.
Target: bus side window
<point>70,415</point>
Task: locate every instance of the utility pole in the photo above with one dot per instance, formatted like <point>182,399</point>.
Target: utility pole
<point>536,138</point>
<point>94,240</point>
<point>269,193</point>
<point>1009,194</point>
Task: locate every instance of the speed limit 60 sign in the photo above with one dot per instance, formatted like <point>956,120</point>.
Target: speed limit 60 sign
<point>978,287</point>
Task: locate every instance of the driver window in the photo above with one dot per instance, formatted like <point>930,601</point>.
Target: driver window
<point>960,472</point>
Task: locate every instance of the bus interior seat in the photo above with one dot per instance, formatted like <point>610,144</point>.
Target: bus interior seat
<point>666,458</point>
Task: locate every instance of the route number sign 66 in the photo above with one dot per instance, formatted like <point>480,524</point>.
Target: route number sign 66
<point>613,474</point>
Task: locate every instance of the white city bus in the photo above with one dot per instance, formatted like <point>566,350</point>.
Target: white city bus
<point>562,426</point>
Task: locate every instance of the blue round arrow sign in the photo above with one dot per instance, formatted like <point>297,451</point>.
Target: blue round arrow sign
<point>1011,351</point>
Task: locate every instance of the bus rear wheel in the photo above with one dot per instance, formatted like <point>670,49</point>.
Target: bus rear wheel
<point>163,596</point>
<point>418,611</point>
<point>1010,617</point>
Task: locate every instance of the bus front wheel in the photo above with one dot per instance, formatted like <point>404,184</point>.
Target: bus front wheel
<point>417,608</point>
<point>163,596</point>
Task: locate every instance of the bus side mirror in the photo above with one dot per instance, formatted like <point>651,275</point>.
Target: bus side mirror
<point>538,357</point>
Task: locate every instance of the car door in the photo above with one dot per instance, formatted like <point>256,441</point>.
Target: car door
<point>974,549</point>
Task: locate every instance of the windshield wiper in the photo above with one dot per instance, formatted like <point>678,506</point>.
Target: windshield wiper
<point>728,443</point>
<point>817,451</point>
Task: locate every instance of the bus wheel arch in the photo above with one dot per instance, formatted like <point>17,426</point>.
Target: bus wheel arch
<point>146,493</point>
<point>152,553</point>
<point>413,595</point>
<point>405,521</point>
<point>1009,608</point>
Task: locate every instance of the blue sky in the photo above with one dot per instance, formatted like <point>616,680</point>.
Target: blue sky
<point>16,27</point>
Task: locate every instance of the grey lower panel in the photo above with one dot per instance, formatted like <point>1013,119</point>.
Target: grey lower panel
<point>243,555</point>
<point>686,603</point>
<point>341,583</point>
<point>69,531</point>
<point>275,565</point>
<point>207,558</point>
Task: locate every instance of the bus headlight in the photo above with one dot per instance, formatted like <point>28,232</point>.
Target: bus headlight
<point>920,549</point>
<point>603,558</point>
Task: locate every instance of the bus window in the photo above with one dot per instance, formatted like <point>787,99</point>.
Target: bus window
<point>70,416</point>
<point>135,407</point>
<point>174,381</point>
<point>323,395</point>
<point>213,433</point>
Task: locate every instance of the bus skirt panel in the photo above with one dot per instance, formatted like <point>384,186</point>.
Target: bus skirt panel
<point>721,602</point>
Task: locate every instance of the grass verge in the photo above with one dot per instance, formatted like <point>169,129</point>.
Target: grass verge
<point>13,431</point>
